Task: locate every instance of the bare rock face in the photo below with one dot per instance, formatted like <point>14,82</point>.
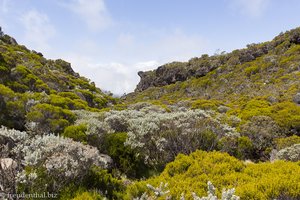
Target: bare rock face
<point>65,66</point>
<point>171,73</point>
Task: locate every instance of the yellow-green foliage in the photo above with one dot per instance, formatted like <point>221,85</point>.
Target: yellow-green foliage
<point>79,193</point>
<point>6,91</point>
<point>206,104</point>
<point>287,114</point>
<point>252,181</point>
<point>254,108</point>
<point>282,143</point>
<point>50,118</point>
<point>68,103</point>
<point>251,70</point>
<point>87,196</point>
<point>12,109</point>
<point>77,133</point>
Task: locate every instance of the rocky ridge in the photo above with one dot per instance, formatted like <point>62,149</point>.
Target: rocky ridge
<point>200,66</point>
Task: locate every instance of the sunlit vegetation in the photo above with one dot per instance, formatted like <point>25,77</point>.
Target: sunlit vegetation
<point>191,129</point>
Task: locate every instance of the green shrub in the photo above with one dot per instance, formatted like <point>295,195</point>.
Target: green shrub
<point>101,180</point>
<point>255,107</point>
<point>187,174</point>
<point>239,147</point>
<point>251,70</point>
<point>282,143</point>
<point>88,196</point>
<point>48,118</point>
<point>206,104</point>
<point>79,193</point>
<point>77,133</point>
<point>126,160</point>
<point>287,115</point>
<point>262,131</point>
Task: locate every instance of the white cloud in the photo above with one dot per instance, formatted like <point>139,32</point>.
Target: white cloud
<point>120,77</point>
<point>116,77</point>
<point>93,12</point>
<point>117,69</point>
<point>252,8</point>
<point>38,30</point>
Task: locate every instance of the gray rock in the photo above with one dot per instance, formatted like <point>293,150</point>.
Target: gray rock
<point>8,164</point>
<point>1,32</point>
<point>296,98</point>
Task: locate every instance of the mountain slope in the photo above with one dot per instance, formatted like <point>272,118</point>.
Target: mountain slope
<point>275,54</point>
<point>263,79</point>
<point>27,78</point>
<point>76,142</point>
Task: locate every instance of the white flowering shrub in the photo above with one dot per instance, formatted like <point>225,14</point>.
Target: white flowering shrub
<point>226,194</point>
<point>147,107</point>
<point>9,163</point>
<point>161,136</point>
<point>291,153</point>
<point>63,159</point>
<point>15,135</point>
<point>157,135</point>
<point>96,128</point>
<point>159,191</point>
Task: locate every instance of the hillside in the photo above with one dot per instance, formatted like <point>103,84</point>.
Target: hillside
<point>229,121</point>
<point>27,78</point>
<point>262,79</point>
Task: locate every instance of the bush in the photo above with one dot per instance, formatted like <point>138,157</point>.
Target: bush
<point>125,159</point>
<point>189,174</point>
<point>206,104</point>
<point>262,131</point>
<point>239,147</point>
<point>103,181</point>
<point>160,137</point>
<point>45,118</point>
<point>287,115</point>
<point>88,196</point>
<point>282,143</point>
<point>52,162</point>
<point>76,132</point>
<point>291,153</point>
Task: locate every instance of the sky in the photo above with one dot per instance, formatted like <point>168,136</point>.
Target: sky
<point>109,41</point>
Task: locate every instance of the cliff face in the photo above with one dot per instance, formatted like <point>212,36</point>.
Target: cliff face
<point>198,67</point>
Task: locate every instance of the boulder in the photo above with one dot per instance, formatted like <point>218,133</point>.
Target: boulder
<point>8,164</point>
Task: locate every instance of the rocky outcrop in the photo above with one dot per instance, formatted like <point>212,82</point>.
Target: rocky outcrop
<point>177,71</point>
<point>163,75</point>
<point>198,67</point>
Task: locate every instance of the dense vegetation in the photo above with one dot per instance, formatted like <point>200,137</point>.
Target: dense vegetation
<point>229,121</point>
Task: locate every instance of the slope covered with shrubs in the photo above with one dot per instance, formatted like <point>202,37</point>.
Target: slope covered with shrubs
<point>35,90</point>
<point>188,127</point>
<point>262,79</point>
